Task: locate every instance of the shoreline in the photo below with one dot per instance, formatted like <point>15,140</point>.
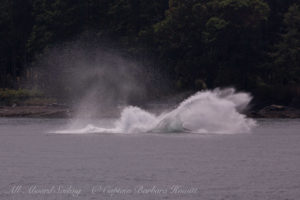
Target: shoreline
<point>61,111</point>
<point>38,111</point>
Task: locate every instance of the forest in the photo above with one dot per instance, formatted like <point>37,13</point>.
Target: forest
<point>252,45</point>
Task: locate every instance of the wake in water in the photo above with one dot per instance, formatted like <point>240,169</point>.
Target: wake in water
<point>217,111</point>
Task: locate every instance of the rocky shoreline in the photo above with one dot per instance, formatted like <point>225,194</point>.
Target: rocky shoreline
<point>61,111</point>
<point>276,111</point>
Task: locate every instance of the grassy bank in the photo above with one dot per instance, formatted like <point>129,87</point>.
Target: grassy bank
<point>23,97</point>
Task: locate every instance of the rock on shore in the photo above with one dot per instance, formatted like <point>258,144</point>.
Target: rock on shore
<point>276,111</point>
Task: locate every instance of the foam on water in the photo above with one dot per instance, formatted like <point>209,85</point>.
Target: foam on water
<point>216,111</point>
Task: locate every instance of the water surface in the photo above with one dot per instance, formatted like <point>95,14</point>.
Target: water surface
<point>262,165</point>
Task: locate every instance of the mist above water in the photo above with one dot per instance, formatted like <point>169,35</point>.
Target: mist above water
<point>95,81</point>
<point>216,111</point>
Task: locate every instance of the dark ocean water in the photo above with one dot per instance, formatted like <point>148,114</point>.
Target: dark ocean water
<point>36,164</point>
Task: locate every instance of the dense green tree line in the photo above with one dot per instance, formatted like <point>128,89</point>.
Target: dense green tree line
<point>250,44</point>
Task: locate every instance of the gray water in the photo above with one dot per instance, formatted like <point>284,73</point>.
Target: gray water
<point>37,164</point>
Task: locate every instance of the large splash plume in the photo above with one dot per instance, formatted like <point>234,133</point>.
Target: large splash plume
<point>217,111</point>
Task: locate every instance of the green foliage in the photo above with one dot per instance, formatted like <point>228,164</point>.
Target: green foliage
<point>243,13</point>
<point>286,67</point>
<point>212,28</point>
<point>55,21</point>
<point>9,96</point>
<point>249,44</point>
<point>212,39</point>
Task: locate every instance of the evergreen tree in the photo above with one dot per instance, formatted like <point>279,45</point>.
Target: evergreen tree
<point>286,68</point>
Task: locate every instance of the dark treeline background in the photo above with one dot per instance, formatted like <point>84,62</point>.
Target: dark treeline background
<point>253,45</point>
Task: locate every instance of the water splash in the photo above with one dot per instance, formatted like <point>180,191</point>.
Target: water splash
<point>216,111</point>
